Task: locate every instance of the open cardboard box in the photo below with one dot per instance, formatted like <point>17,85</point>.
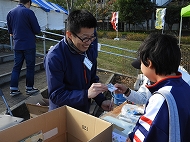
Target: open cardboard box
<point>31,107</point>
<point>37,105</point>
<point>64,124</point>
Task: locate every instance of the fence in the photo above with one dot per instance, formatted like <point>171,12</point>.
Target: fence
<point>117,60</point>
<point>107,60</point>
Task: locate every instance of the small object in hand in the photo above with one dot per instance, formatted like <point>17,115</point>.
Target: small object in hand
<point>111,87</point>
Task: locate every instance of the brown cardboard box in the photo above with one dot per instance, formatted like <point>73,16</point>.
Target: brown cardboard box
<point>37,105</point>
<point>36,110</point>
<point>64,124</point>
<point>37,99</point>
<point>31,107</point>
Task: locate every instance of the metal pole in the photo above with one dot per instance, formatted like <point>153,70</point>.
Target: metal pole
<point>44,43</point>
<point>8,109</point>
<point>11,42</point>
<point>180,31</point>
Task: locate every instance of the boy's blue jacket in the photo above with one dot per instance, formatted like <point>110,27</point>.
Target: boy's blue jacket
<point>68,78</point>
<point>153,126</point>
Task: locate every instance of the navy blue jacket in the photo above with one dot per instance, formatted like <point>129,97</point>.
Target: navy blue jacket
<point>69,79</point>
<point>23,24</point>
<point>153,126</point>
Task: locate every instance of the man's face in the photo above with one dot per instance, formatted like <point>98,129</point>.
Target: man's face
<point>83,39</point>
<point>28,4</point>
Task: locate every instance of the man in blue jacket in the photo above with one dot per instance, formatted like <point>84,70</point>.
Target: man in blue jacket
<point>71,66</point>
<point>23,25</point>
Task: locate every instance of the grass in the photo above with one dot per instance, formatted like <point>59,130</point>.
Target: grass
<point>107,61</point>
<point>116,63</point>
<point>132,45</point>
<point>40,47</point>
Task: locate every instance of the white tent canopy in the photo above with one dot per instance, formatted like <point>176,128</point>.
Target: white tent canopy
<point>50,16</point>
<point>48,6</point>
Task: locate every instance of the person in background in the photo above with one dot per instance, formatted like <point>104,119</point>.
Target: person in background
<point>160,58</point>
<point>71,66</point>
<point>142,94</point>
<point>23,26</point>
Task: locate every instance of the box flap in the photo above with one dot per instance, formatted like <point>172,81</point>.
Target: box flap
<point>36,109</point>
<point>37,99</point>
<point>47,123</point>
<point>86,126</point>
<point>104,136</point>
<point>62,124</point>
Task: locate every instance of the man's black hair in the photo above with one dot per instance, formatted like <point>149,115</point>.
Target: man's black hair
<point>78,19</point>
<point>163,51</point>
<point>25,1</point>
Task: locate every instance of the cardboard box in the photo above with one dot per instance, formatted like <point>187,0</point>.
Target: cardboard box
<point>37,105</point>
<point>37,99</point>
<point>64,124</point>
<point>35,110</point>
<point>31,107</point>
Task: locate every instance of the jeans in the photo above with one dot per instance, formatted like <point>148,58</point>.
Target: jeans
<point>30,58</point>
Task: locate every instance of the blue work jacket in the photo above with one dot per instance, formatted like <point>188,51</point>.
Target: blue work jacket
<point>69,79</point>
<point>23,25</point>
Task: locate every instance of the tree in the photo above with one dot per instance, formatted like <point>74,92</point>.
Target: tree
<point>172,15</point>
<point>62,3</point>
<point>147,8</point>
<point>135,11</point>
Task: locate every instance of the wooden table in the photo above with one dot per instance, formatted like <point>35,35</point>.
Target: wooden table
<point>115,112</point>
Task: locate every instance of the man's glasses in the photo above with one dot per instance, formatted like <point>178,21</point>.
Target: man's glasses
<point>86,39</point>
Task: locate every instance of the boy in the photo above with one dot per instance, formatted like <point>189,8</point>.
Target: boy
<point>160,58</point>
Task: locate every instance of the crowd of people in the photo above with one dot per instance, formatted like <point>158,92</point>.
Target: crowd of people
<point>71,67</point>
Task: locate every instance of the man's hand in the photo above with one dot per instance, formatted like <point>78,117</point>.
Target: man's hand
<point>95,89</point>
<point>107,105</point>
<point>128,140</point>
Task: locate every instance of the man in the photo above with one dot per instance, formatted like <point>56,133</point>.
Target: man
<point>71,66</point>
<point>23,25</point>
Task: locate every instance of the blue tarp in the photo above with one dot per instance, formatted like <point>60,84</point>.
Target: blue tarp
<point>48,6</point>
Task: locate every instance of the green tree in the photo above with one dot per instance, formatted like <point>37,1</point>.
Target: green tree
<point>90,5</point>
<point>134,11</point>
<point>62,3</point>
<point>172,15</point>
<point>146,10</point>
<point>77,4</point>
<point>104,12</point>
<point>105,9</point>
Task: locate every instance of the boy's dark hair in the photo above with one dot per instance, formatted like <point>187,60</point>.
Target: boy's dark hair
<point>25,1</point>
<point>80,19</point>
<point>163,51</point>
